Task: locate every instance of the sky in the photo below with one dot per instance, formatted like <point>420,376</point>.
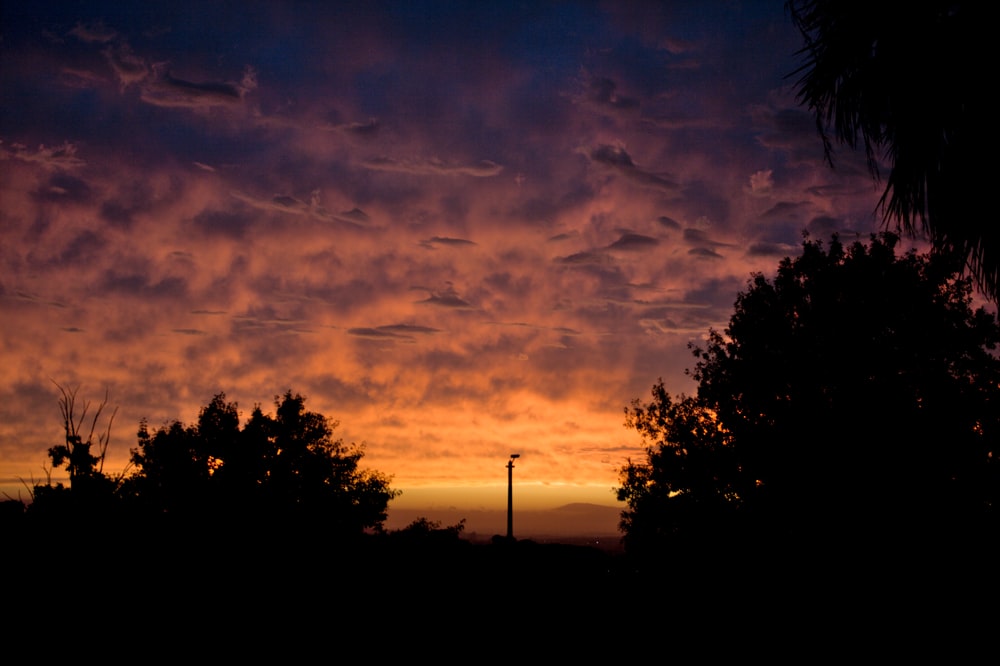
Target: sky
<point>461,230</point>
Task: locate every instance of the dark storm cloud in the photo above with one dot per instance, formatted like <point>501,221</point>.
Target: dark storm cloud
<point>164,89</point>
<point>602,94</point>
<point>612,156</point>
<point>784,210</point>
<point>446,298</point>
<point>409,329</point>
<point>704,253</point>
<point>787,128</point>
<point>586,258</point>
<point>617,159</point>
<point>564,236</point>
<point>405,332</point>
<point>701,237</point>
<point>668,222</point>
<point>444,240</point>
<point>354,216</point>
<point>823,226</point>
<point>634,242</point>
<point>375,333</point>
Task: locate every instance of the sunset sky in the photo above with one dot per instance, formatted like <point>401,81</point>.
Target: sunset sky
<point>461,229</point>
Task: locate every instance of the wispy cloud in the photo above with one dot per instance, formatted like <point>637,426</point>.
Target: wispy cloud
<point>95,32</point>
<point>51,157</point>
<point>483,169</point>
<point>290,205</point>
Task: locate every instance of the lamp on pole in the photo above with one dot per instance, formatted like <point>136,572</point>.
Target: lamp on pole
<point>510,495</point>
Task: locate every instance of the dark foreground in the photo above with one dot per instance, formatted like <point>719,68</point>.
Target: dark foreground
<point>284,594</point>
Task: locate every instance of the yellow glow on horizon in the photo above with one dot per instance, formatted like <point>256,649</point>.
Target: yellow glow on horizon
<point>489,497</point>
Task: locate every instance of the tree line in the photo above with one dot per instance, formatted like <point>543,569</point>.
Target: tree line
<point>285,466</point>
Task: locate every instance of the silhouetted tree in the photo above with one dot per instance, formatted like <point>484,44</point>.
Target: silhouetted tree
<point>690,484</point>
<point>856,392</point>
<point>172,471</point>
<point>905,80</point>
<point>83,454</point>
<point>284,467</point>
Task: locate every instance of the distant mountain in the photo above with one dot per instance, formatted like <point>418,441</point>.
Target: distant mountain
<point>579,520</point>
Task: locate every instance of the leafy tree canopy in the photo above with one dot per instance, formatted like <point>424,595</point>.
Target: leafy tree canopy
<point>288,465</point>
<point>857,390</point>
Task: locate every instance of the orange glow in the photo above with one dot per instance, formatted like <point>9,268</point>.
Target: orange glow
<point>492,247</point>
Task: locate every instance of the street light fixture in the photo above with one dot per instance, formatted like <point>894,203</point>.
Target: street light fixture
<point>510,495</point>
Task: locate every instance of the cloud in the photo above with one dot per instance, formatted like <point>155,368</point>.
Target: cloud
<point>569,235</point>
<point>766,249</point>
<point>163,89</point>
<point>762,182</point>
<point>93,32</point>
<point>616,159</point>
<point>366,129</point>
<point>56,157</point>
<point>585,258</point>
<point>601,94</point>
<point>355,216</point>
<point>784,210</point>
<point>704,253</point>
<point>62,187</point>
<point>484,169</point>
<point>128,68</point>
<point>444,240</point>
<point>701,237</point>
<point>668,222</point>
<point>447,298</point>
<point>634,242</point>
<point>403,332</point>
<point>283,203</point>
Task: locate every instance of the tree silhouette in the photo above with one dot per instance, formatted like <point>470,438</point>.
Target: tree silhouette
<point>904,80</point>
<point>690,485</point>
<point>284,467</point>
<point>856,392</point>
<point>83,453</point>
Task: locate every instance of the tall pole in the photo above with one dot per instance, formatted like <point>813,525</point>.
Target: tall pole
<point>510,495</point>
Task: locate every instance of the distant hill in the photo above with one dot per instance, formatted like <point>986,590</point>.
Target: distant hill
<point>579,520</point>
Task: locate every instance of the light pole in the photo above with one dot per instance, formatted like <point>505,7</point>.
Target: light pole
<point>510,495</point>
